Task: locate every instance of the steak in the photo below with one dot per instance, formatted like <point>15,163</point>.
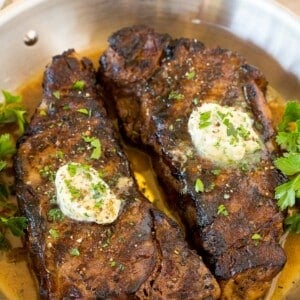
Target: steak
<point>228,209</point>
<point>140,255</point>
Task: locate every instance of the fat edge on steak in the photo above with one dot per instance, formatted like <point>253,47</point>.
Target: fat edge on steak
<point>142,254</point>
<point>157,82</point>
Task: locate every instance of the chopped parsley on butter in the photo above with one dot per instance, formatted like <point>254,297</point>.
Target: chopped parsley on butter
<point>84,196</point>
<point>223,134</point>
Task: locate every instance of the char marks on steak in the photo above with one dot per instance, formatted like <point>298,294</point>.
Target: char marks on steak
<point>143,68</point>
<point>141,255</point>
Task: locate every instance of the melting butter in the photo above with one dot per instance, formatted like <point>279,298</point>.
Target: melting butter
<point>83,195</point>
<point>223,134</point>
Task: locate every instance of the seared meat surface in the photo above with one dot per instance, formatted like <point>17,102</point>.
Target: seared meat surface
<point>142,254</point>
<point>228,209</point>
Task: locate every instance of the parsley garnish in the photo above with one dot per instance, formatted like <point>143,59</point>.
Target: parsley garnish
<point>56,94</point>
<point>95,143</point>
<point>231,131</point>
<point>85,111</point>
<point>72,169</point>
<point>79,85</point>
<point>15,224</point>
<point>98,190</point>
<point>54,233</point>
<point>190,75</point>
<point>256,237</point>
<point>199,186</point>
<point>175,95</point>
<point>55,214</point>
<point>222,210</point>
<point>7,147</point>
<point>60,154</point>
<point>204,119</point>
<point>74,191</point>
<point>288,138</point>
<point>48,173</point>
<point>11,112</point>
<point>74,252</point>
<point>293,222</point>
<point>112,263</point>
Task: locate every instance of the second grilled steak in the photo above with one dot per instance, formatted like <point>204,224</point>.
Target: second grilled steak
<point>139,255</point>
<point>218,174</point>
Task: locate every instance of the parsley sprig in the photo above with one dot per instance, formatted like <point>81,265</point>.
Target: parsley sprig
<point>11,112</point>
<point>288,138</point>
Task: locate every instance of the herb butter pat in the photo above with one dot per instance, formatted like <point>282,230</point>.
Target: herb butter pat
<point>83,195</point>
<point>223,134</point>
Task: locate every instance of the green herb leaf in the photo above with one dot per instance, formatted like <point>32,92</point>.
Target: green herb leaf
<point>98,190</point>
<point>289,141</point>
<point>286,192</point>
<point>60,154</point>
<point>190,75</point>
<point>95,143</point>
<point>56,94</point>
<point>112,263</point>
<point>54,233</point>
<point>231,131</point>
<point>17,225</point>
<point>11,111</point>
<point>7,146</point>
<point>48,173</point>
<point>289,165</point>
<point>55,214</point>
<point>199,186</point>
<point>4,242</point>
<point>288,138</point>
<point>96,154</point>
<point>85,111</point>
<point>74,191</point>
<point>293,222</point>
<point>175,95</point>
<point>9,98</point>
<point>72,169</point>
<point>291,114</point>
<point>74,252</point>
<point>79,85</point>
<point>204,119</point>
<point>3,165</point>
<point>222,210</point>
<point>256,237</point>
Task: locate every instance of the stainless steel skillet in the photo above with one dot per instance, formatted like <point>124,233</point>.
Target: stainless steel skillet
<point>32,31</point>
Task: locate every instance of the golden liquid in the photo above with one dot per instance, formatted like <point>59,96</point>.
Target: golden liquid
<point>17,281</point>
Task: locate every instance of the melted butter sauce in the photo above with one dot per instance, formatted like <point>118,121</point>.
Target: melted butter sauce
<point>16,278</point>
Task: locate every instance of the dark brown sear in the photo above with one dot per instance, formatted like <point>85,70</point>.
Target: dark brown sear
<point>142,254</point>
<point>157,82</point>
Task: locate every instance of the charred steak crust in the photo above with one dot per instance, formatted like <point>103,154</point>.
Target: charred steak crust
<point>141,255</point>
<point>154,105</point>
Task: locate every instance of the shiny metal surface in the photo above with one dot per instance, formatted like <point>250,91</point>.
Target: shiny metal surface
<point>267,35</point>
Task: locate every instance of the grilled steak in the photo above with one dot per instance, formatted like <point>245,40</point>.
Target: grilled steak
<point>225,198</point>
<point>140,255</point>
